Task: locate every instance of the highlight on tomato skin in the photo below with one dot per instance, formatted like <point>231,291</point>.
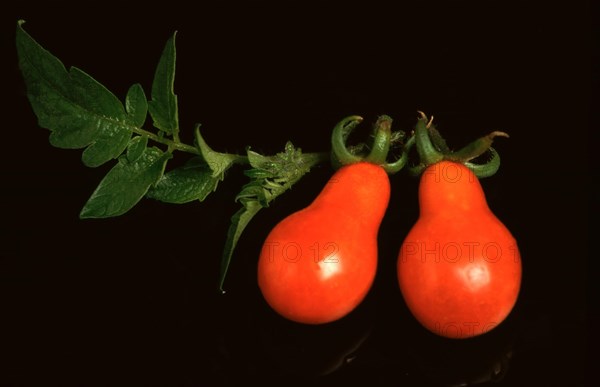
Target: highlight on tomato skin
<point>459,267</point>
<point>318,264</point>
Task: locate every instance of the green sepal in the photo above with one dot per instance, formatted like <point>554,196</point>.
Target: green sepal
<point>486,169</point>
<point>438,141</point>
<point>428,154</point>
<point>376,152</point>
<point>432,149</point>
<point>341,154</point>
<point>475,148</point>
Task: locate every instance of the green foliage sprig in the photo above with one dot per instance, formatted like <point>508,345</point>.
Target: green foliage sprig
<point>83,114</point>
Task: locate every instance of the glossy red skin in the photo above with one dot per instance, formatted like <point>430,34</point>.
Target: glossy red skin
<point>340,228</point>
<point>459,268</point>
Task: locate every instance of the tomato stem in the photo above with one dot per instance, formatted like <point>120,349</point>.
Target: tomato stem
<point>174,144</point>
<point>381,142</point>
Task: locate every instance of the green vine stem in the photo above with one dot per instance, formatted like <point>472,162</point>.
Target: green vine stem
<point>174,144</point>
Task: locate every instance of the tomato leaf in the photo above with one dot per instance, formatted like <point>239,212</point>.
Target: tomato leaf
<point>239,221</point>
<point>197,178</point>
<point>136,105</point>
<point>125,184</point>
<point>136,148</point>
<point>79,111</point>
<point>163,106</point>
<point>193,181</point>
<point>270,177</point>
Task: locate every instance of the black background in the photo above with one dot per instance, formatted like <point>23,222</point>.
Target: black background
<point>132,300</point>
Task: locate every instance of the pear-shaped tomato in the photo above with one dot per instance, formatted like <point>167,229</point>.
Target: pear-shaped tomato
<point>318,264</point>
<point>459,268</point>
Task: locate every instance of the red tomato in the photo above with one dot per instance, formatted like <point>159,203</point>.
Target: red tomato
<point>459,268</point>
<point>319,263</point>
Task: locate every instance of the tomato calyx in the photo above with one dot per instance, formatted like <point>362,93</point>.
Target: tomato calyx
<point>378,150</point>
<point>432,148</point>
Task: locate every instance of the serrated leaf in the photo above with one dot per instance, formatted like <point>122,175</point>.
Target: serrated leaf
<point>136,105</point>
<point>197,178</point>
<point>163,106</point>
<point>108,145</point>
<point>125,184</point>
<point>239,221</point>
<point>136,148</point>
<point>78,110</point>
<point>193,181</point>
